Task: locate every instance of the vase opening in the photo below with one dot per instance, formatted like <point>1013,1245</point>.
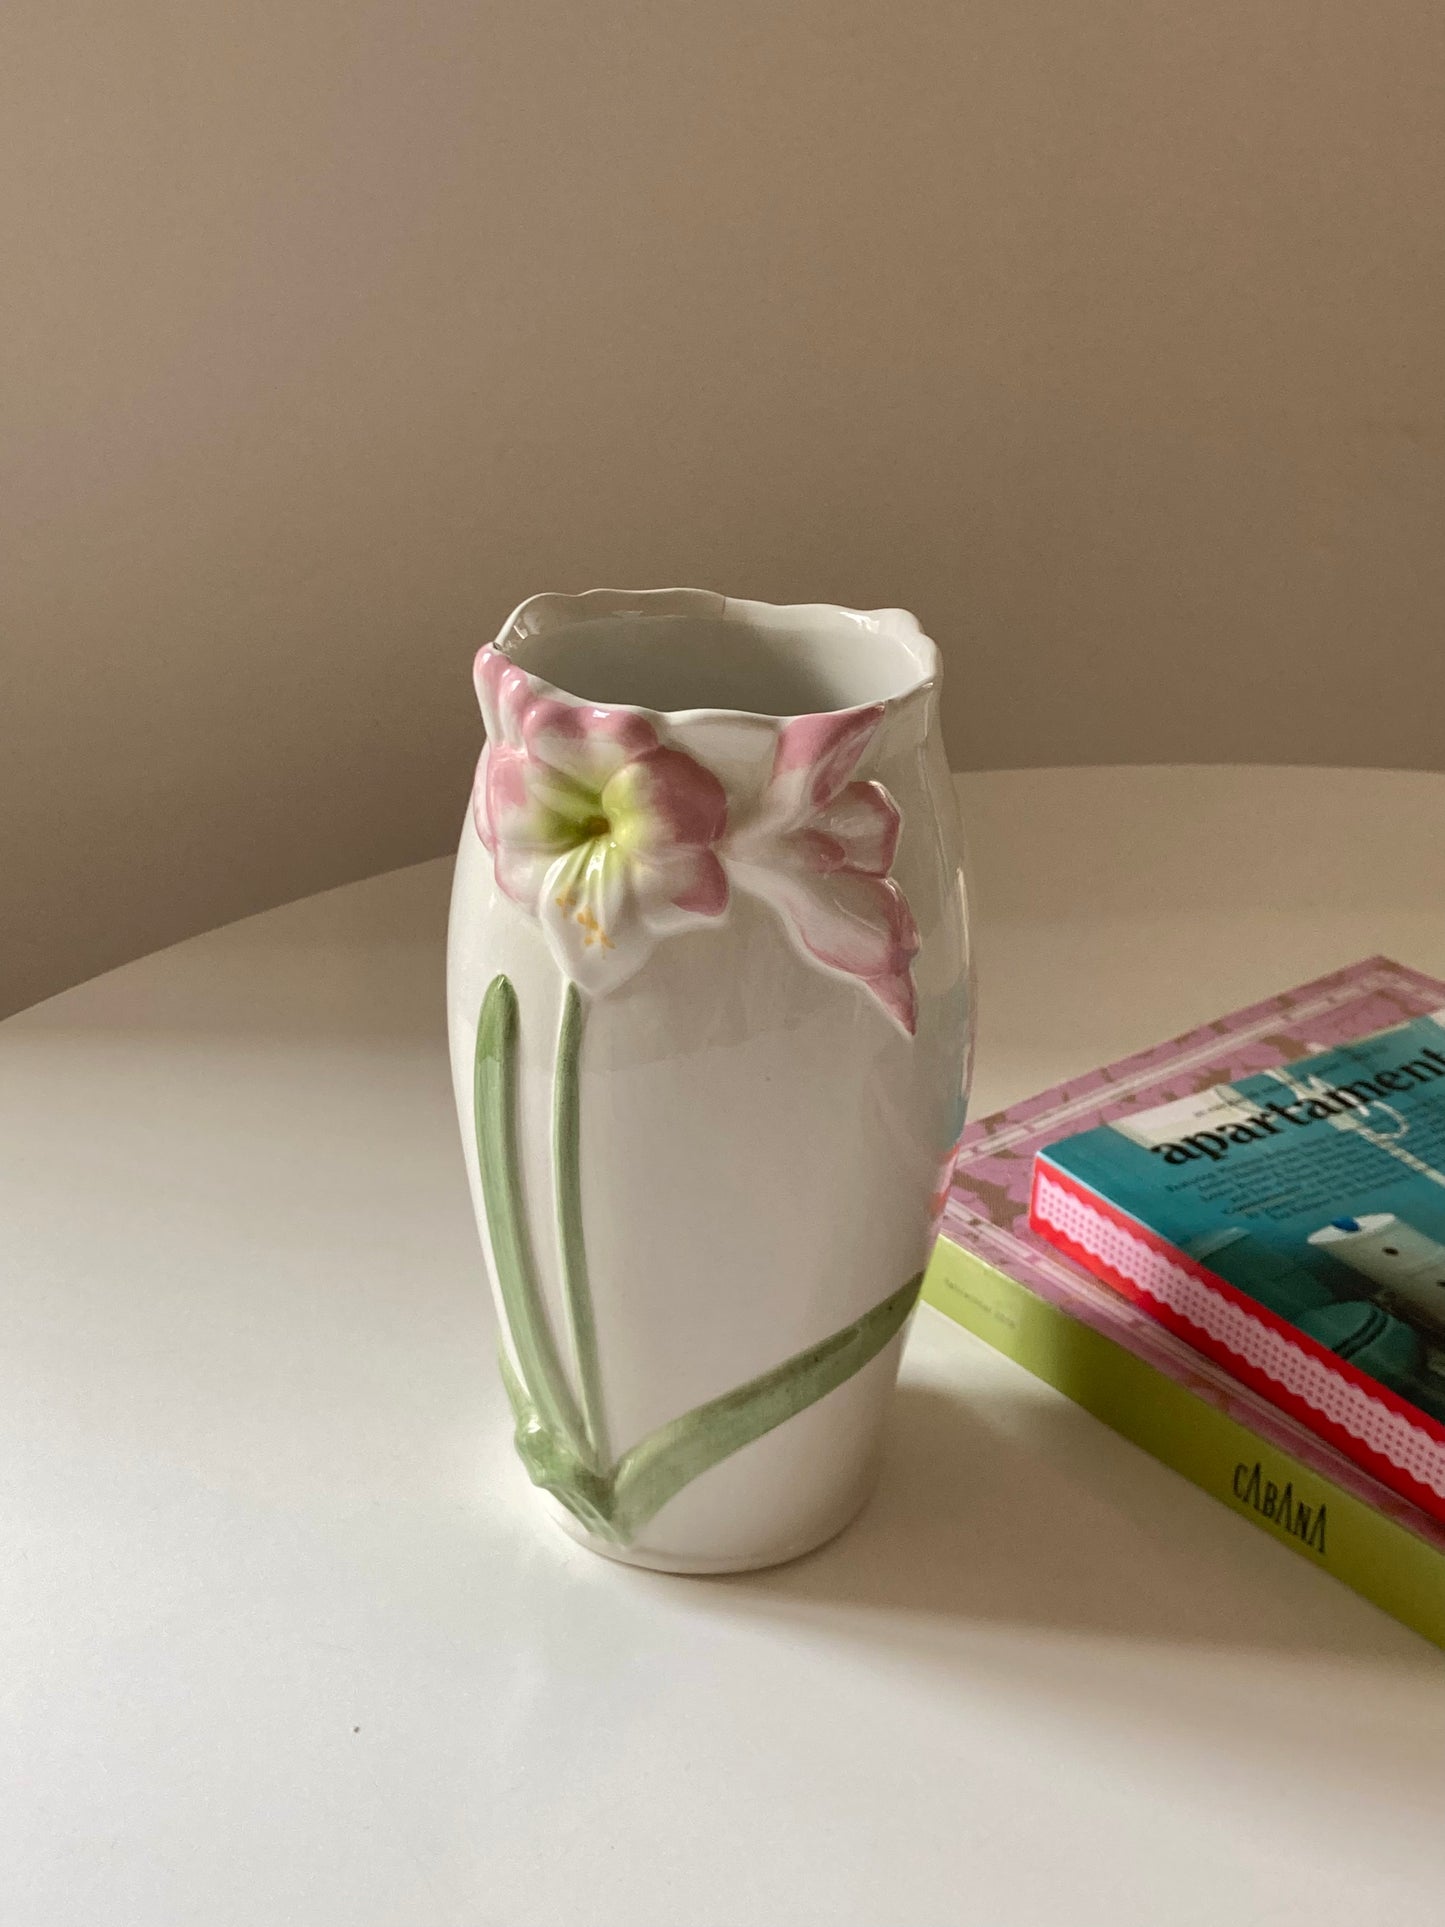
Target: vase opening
<point>746,657</point>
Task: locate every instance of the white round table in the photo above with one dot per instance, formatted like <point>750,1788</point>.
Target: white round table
<point>284,1639</point>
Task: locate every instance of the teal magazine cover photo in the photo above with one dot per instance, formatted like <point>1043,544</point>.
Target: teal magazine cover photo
<point>1317,1189</point>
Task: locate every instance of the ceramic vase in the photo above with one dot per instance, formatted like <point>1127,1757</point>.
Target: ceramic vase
<point>709,1012</point>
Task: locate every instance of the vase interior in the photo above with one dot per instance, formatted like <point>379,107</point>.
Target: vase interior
<point>784,662</point>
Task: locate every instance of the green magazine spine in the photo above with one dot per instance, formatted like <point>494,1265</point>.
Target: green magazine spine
<point>1378,1558</point>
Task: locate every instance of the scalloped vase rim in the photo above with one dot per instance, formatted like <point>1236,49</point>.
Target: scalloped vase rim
<point>554,609</point>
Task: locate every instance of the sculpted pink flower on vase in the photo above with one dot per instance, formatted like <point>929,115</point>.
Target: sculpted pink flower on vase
<point>605,834</point>
<point>819,849</point>
<point>614,839</point>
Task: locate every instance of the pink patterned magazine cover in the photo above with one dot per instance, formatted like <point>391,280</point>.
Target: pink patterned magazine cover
<point>987,1213</point>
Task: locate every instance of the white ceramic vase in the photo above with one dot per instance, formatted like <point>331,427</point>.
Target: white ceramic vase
<point>710,1016</point>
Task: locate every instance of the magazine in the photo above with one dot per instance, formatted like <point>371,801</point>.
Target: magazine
<point>1188,1405</point>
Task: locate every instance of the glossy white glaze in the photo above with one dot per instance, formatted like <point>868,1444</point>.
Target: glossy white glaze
<point>761,1141</point>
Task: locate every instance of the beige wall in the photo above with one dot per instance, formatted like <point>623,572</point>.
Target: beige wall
<point>1110,336</point>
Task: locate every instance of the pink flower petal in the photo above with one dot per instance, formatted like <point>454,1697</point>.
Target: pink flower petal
<point>664,799</point>
<point>817,754</point>
<point>678,885</point>
<point>705,891</point>
<point>585,743</point>
<point>479,804</point>
<point>855,924</point>
<point>908,937</point>
<point>863,822</point>
<point>818,852</point>
<point>503,690</point>
<point>852,923</point>
<point>899,998</point>
<point>530,807</point>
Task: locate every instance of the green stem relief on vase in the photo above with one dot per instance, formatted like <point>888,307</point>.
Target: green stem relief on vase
<point>571,1245</point>
<point>563,1445</point>
<point>671,1457</point>
<point>495,1103</point>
